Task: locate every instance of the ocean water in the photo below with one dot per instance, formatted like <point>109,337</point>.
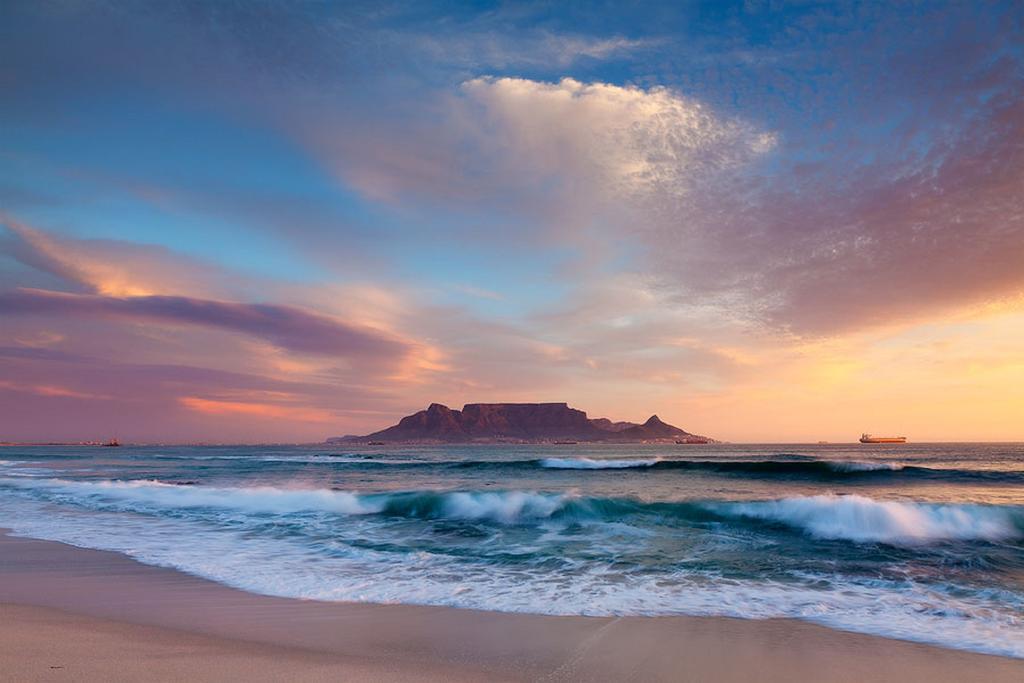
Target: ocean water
<point>922,542</point>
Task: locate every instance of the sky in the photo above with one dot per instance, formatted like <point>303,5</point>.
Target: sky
<point>267,221</point>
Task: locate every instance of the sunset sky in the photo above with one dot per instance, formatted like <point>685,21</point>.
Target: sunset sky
<point>262,221</point>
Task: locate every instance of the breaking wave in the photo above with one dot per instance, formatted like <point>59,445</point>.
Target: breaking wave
<point>847,517</point>
<point>505,507</point>
<point>862,519</point>
<point>829,470</point>
<point>932,572</point>
<point>783,466</point>
<point>595,464</point>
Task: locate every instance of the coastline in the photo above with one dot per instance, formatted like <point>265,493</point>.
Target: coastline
<point>99,614</point>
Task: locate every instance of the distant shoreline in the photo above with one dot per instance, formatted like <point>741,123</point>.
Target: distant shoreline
<point>329,444</point>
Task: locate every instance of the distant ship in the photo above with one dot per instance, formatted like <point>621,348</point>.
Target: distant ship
<point>113,443</point>
<point>867,438</point>
<point>693,440</point>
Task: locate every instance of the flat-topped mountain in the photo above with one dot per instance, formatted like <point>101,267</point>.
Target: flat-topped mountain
<point>517,422</point>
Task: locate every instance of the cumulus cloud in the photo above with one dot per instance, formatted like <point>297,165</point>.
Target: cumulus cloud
<point>921,226</point>
<point>542,160</point>
<point>816,181</point>
<point>631,140</point>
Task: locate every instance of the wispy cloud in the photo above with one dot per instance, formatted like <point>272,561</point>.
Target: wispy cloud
<point>287,326</point>
<point>648,205</point>
<point>259,410</point>
<point>495,49</point>
<point>51,391</point>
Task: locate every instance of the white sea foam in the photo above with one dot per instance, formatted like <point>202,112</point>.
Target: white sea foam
<point>325,458</point>
<point>504,507</point>
<point>20,468</point>
<point>595,464</point>
<point>256,499</point>
<point>335,459</point>
<point>856,466</point>
<point>847,517</point>
<point>862,519</point>
<point>272,565</point>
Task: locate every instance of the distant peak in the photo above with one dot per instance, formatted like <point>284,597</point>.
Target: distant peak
<point>519,422</point>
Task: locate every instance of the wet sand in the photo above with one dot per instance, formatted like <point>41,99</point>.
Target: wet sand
<point>70,614</point>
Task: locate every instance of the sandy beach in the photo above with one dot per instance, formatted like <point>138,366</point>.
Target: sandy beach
<point>76,614</point>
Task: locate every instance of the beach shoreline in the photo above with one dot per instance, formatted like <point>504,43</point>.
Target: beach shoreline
<point>104,615</point>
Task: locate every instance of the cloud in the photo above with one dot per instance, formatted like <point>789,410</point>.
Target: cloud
<point>40,251</point>
<point>632,140</point>
<point>478,49</point>
<point>114,267</point>
<point>675,212</point>
<point>538,159</point>
<point>289,327</point>
<point>925,227</point>
<point>255,409</point>
<point>50,390</point>
<point>52,394</point>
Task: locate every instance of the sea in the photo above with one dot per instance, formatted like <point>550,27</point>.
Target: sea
<point>923,542</point>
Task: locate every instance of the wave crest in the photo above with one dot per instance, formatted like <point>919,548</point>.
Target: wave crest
<point>847,517</point>
<point>862,519</point>
<point>503,507</point>
<point>596,464</point>
<point>857,466</point>
<point>254,499</point>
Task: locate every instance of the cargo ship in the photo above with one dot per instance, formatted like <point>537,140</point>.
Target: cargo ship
<point>867,438</point>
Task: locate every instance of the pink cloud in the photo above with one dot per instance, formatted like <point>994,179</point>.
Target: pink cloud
<point>286,326</point>
<point>257,410</point>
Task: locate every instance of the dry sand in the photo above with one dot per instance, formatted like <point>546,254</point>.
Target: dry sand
<point>69,614</point>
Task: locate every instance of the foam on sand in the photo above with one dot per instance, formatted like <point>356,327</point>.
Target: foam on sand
<point>538,552</point>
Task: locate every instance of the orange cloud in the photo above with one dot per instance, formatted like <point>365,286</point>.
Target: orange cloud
<point>49,390</point>
<point>270,410</point>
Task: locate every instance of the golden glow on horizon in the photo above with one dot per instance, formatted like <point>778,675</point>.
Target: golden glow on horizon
<point>961,378</point>
<point>957,377</point>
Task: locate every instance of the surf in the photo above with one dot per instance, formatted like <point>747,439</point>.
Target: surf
<point>862,519</point>
<point>853,518</point>
<point>595,464</point>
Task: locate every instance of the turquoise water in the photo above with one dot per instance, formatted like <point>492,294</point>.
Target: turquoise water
<point>923,542</point>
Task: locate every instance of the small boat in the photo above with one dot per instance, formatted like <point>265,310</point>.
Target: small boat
<point>868,438</point>
<point>113,443</point>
